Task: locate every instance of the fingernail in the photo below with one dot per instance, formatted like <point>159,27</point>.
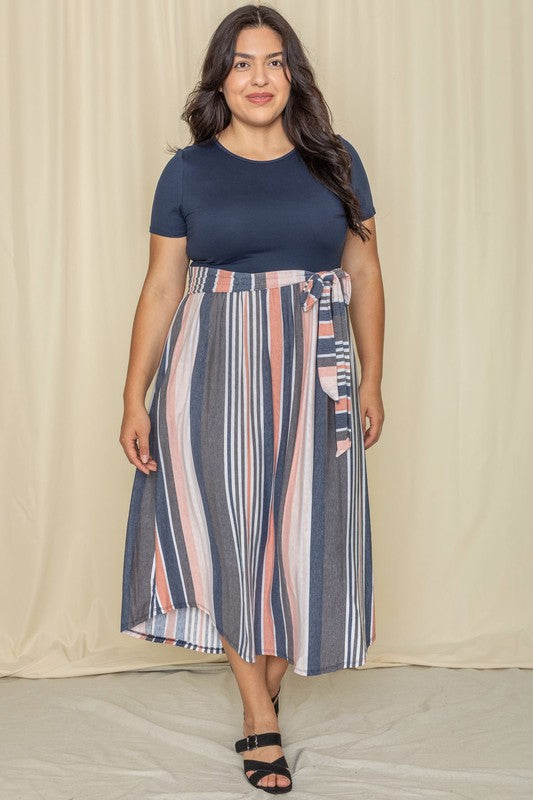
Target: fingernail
<point>144,459</point>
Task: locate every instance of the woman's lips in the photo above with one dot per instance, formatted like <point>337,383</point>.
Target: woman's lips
<point>259,100</point>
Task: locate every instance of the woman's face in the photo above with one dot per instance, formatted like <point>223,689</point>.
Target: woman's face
<point>257,69</point>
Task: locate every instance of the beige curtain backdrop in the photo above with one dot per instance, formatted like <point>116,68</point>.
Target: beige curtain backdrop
<point>436,97</point>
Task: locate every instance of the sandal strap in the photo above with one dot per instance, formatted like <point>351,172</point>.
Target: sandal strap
<point>262,768</point>
<point>276,765</point>
<point>254,740</point>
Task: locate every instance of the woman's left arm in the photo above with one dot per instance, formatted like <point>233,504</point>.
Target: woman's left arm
<point>367,315</point>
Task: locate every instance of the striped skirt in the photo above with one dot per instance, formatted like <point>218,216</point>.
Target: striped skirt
<point>256,524</point>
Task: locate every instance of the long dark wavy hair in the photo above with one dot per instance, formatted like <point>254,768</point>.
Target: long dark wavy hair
<point>306,117</point>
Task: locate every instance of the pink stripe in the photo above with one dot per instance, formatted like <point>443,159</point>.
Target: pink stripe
<point>275,323</point>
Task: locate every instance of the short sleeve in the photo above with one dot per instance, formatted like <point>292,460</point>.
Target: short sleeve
<point>167,213</point>
<point>360,183</point>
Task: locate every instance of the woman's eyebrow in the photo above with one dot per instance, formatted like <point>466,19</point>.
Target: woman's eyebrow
<point>268,55</point>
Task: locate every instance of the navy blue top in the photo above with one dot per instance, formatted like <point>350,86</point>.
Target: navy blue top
<point>253,216</point>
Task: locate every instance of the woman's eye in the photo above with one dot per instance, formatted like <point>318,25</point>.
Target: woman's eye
<point>274,60</point>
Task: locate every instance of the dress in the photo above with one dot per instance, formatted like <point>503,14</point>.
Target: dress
<point>256,524</point>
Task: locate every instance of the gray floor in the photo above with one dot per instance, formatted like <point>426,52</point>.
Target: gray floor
<point>402,732</point>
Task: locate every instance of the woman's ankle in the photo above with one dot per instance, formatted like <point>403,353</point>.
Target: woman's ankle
<point>273,690</point>
<point>256,720</point>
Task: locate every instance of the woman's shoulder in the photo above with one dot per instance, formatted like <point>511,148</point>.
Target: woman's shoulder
<point>191,155</point>
<point>357,163</point>
<point>360,180</point>
<point>349,147</point>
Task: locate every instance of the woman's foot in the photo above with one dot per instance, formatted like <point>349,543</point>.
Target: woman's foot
<point>267,722</point>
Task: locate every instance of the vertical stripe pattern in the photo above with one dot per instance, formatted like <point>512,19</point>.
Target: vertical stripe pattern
<point>256,524</point>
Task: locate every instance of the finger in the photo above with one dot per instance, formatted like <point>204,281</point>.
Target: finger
<point>138,463</point>
<point>130,448</point>
<point>132,454</point>
<point>143,448</point>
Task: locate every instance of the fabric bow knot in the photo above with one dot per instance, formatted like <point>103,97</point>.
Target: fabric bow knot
<point>332,290</point>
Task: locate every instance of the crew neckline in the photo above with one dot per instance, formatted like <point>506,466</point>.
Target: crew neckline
<point>253,160</point>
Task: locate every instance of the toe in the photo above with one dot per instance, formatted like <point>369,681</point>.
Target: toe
<point>266,780</point>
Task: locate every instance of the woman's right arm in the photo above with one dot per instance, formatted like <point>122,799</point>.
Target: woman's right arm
<point>161,293</point>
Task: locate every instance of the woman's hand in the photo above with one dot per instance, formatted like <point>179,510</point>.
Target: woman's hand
<point>134,435</point>
<point>371,406</point>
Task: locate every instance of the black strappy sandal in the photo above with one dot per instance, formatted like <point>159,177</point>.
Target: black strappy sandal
<point>262,768</point>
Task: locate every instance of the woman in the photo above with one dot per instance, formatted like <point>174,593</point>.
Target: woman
<point>249,529</point>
